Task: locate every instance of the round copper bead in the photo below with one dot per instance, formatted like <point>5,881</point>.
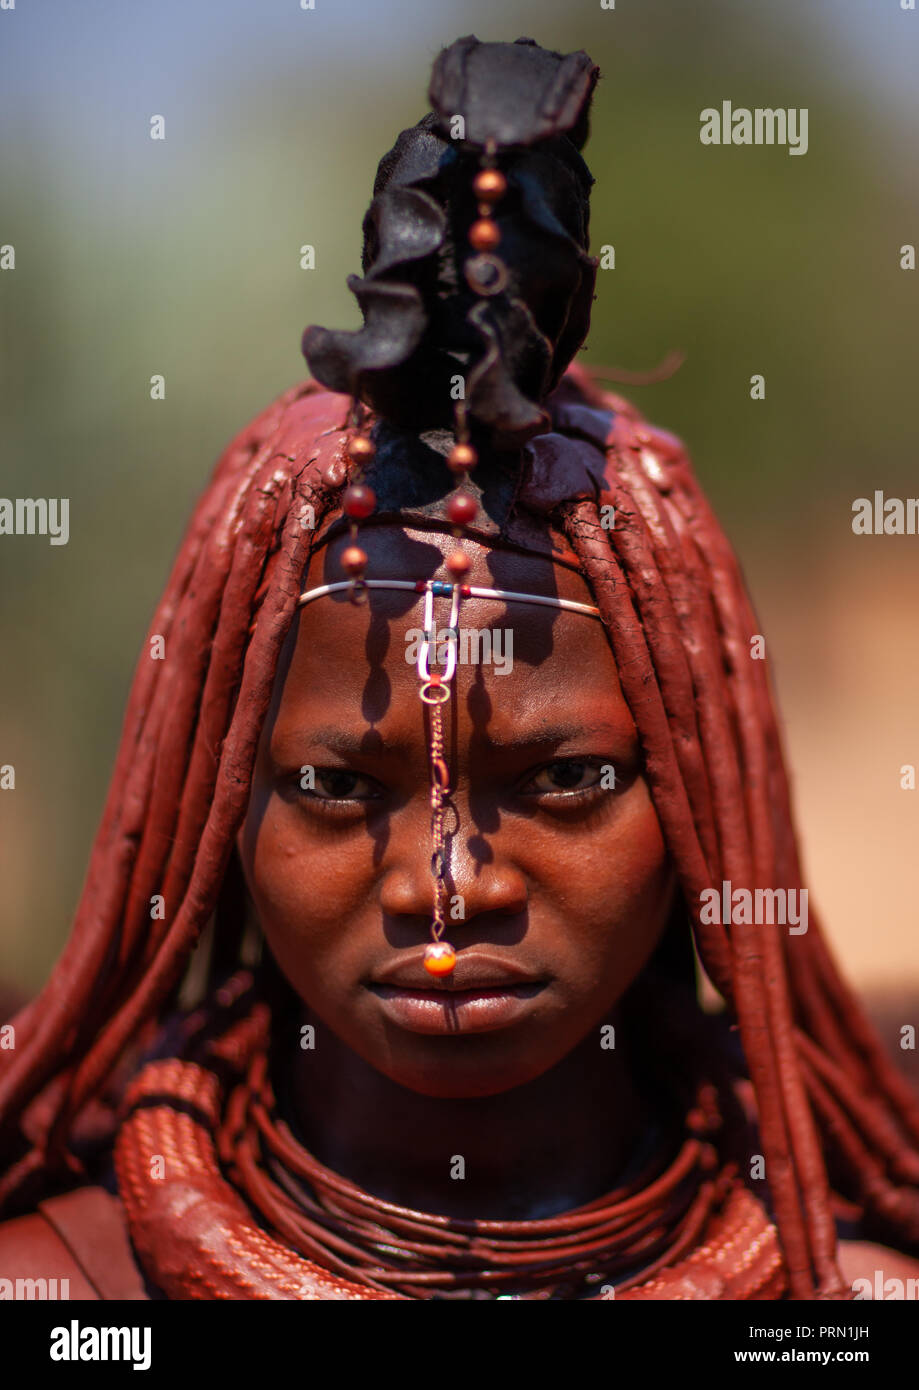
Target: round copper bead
<point>484,235</point>
<point>458,565</point>
<point>461,458</point>
<point>489,185</point>
<point>361,449</point>
<point>354,560</point>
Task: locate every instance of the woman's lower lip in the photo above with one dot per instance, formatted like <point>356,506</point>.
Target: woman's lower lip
<point>455,1011</point>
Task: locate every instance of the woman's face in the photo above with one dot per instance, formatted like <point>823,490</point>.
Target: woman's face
<point>560,885</point>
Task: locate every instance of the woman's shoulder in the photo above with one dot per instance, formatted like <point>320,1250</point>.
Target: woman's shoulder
<point>73,1246</point>
<point>877,1272</point>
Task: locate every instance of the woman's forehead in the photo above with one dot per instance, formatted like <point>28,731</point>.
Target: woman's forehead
<point>518,660</point>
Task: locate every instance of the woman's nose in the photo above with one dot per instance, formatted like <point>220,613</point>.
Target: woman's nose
<point>479,879</point>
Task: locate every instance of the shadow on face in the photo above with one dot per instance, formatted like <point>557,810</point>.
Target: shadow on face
<point>560,884</point>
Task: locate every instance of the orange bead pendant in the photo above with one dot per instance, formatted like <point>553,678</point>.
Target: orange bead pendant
<point>439,958</point>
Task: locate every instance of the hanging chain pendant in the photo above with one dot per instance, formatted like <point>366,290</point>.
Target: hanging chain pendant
<point>440,956</point>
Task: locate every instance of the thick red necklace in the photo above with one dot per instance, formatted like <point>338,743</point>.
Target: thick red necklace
<point>201,1151</point>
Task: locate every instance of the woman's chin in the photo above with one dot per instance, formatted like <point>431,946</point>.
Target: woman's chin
<point>460,1068</point>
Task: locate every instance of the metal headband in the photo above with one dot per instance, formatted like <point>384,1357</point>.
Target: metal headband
<point>445,588</point>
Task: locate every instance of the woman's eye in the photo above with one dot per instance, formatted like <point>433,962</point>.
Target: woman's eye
<point>567,776</point>
<point>338,784</point>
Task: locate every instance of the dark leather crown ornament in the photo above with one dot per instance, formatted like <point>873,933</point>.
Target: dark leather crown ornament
<point>481,302</point>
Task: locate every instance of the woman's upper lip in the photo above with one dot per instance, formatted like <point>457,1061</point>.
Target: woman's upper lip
<point>473,970</point>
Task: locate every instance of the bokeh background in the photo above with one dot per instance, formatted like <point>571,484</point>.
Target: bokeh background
<point>181,257</point>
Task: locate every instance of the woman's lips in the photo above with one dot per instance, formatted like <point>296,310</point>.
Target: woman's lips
<point>451,1010</point>
<point>485,990</point>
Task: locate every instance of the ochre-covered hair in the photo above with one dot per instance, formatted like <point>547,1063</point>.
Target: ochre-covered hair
<point>679,625</point>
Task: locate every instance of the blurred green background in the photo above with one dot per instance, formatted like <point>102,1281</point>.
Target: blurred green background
<point>181,257</point>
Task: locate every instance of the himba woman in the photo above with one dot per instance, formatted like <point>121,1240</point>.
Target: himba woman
<point>385,978</point>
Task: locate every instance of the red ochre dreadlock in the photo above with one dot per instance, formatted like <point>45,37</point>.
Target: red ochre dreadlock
<point>680,625</point>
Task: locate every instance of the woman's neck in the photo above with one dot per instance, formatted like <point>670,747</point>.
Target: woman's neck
<point>555,1143</point>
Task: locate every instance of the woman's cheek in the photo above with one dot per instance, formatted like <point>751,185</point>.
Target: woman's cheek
<point>616,867</point>
<point>615,901</point>
<point>304,887</point>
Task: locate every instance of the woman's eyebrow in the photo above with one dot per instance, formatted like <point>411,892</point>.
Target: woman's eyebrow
<point>356,742</point>
<point>345,742</point>
<point>604,735</point>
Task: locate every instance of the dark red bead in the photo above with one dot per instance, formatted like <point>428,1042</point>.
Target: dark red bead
<point>359,500</point>
<point>462,508</point>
